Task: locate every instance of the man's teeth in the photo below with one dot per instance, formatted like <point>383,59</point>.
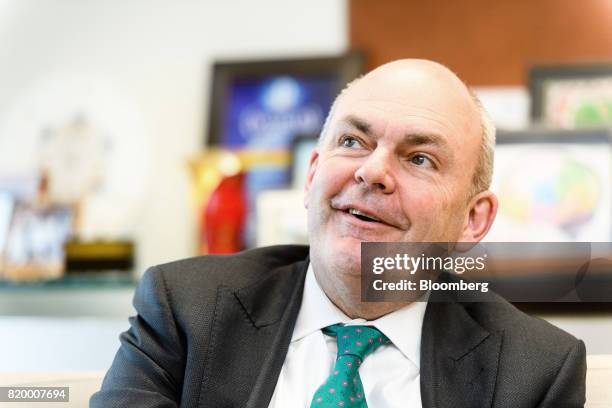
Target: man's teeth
<point>361,215</point>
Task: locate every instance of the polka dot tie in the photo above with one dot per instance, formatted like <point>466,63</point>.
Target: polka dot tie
<point>343,388</point>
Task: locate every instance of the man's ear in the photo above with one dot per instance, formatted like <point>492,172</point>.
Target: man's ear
<point>481,214</point>
<point>312,168</point>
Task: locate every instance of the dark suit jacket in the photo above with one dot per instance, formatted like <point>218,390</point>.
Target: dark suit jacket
<point>214,331</point>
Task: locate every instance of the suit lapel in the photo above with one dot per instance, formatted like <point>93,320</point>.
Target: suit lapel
<point>459,358</point>
<point>250,337</point>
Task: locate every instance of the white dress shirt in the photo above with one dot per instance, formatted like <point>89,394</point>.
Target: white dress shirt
<point>390,375</point>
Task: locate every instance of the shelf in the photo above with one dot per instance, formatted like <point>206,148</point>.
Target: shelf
<point>105,280</point>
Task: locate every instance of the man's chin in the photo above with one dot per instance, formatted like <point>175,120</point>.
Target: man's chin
<point>346,257</point>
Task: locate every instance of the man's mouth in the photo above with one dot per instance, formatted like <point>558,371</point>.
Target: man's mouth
<point>362,216</point>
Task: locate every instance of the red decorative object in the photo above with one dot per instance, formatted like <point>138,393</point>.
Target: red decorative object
<point>224,216</point>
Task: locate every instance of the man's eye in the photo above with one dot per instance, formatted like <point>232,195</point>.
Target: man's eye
<point>421,160</point>
<point>349,141</point>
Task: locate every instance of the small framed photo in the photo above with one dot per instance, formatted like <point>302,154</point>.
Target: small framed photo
<point>34,248</point>
<point>571,96</point>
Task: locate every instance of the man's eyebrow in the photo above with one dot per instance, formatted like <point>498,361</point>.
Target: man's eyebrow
<point>359,124</point>
<point>419,139</point>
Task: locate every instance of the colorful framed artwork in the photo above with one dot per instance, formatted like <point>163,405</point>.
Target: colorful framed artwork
<point>553,186</point>
<point>571,96</point>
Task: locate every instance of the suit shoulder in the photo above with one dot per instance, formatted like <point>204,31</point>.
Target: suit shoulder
<point>522,330</point>
<point>534,354</point>
<point>206,273</point>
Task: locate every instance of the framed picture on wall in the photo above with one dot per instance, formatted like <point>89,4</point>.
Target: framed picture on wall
<point>264,104</point>
<point>571,96</point>
<point>553,186</point>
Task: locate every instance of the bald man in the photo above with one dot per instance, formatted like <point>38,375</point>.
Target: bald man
<point>405,156</point>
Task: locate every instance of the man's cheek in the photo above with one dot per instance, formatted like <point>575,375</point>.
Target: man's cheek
<point>440,197</point>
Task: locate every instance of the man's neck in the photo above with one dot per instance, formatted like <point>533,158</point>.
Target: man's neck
<point>346,296</point>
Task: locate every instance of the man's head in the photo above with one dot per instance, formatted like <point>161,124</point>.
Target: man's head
<point>402,159</point>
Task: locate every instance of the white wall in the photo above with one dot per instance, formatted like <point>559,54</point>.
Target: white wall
<point>157,55</point>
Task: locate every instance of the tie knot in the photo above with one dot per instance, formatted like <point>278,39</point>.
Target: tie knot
<point>356,340</point>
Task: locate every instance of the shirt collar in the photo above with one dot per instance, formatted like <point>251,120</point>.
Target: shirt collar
<point>316,310</point>
<point>403,326</point>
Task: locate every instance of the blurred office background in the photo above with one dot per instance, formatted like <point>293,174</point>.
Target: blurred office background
<point>134,133</point>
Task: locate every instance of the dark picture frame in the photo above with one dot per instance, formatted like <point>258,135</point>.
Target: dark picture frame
<point>344,68</point>
<point>541,76</point>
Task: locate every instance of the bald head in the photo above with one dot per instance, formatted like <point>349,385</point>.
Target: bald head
<point>402,78</point>
<point>427,86</point>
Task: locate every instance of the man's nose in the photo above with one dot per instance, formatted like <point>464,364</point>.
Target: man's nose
<point>376,173</point>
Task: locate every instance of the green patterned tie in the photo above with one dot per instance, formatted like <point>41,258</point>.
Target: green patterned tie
<point>343,388</point>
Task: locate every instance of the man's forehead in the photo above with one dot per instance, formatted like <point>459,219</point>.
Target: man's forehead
<point>413,87</point>
<point>409,84</point>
